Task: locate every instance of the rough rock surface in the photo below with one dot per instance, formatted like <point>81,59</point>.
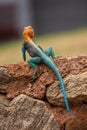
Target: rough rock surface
<point>76,87</point>
<point>26,113</point>
<point>79,122</point>
<point>15,79</point>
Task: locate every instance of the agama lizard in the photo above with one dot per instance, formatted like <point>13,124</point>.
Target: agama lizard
<point>40,56</point>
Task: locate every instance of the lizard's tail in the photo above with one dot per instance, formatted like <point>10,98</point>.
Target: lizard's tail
<point>63,89</point>
<point>52,65</point>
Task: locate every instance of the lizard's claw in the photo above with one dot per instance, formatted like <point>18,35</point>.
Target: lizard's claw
<point>36,72</point>
<point>33,78</point>
<point>56,57</point>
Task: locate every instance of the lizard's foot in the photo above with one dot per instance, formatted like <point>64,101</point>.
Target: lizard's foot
<point>35,75</point>
<point>56,57</point>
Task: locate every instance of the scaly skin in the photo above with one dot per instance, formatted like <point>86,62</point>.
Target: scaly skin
<point>40,56</point>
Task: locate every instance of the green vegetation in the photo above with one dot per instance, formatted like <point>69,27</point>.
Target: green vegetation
<point>65,43</point>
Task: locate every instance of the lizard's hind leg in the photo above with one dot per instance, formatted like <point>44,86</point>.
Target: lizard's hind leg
<point>33,63</point>
<point>50,52</point>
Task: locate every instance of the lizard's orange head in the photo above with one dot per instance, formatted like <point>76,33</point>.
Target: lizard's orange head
<point>28,33</point>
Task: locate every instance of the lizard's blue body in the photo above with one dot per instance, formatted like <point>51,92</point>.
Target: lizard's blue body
<point>40,56</point>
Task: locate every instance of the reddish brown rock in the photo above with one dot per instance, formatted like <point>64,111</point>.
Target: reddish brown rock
<point>16,78</point>
<point>78,121</point>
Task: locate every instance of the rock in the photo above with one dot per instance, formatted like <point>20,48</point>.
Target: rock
<point>79,121</point>
<point>4,75</point>
<point>15,79</point>
<point>4,78</point>
<point>4,100</point>
<point>72,65</point>
<point>76,87</point>
<point>26,113</point>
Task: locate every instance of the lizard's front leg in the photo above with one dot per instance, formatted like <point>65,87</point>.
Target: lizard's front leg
<point>32,62</point>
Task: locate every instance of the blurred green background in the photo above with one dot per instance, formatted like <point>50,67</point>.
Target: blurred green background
<point>61,24</point>
<point>69,43</point>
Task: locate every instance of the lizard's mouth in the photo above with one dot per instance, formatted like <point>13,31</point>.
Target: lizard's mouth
<point>31,34</point>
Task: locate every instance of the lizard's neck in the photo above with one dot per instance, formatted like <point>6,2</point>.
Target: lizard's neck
<point>32,42</point>
<point>29,40</point>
